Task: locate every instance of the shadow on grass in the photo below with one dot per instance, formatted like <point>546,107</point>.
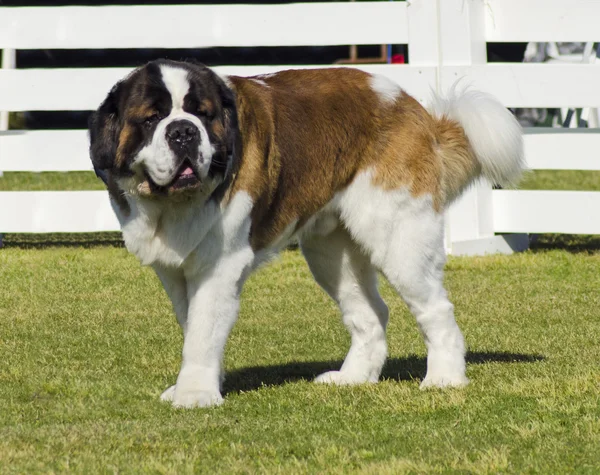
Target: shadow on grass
<point>46,240</point>
<point>397,369</point>
<point>574,243</point>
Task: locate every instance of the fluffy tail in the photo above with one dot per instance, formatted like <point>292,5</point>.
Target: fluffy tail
<point>494,135</point>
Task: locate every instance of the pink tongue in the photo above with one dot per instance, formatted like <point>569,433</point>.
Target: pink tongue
<point>187,171</point>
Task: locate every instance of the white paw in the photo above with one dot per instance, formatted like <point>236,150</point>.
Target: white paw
<point>444,381</point>
<point>340,378</point>
<point>167,394</point>
<point>196,398</point>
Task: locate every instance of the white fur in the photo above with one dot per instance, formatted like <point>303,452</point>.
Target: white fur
<point>347,275</point>
<point>176,82</point>
<point>387,90</point>
<point>202,255</point>
<point>225,79</point>
<point>266,76</point>
<point>402,236</point>
<point>214,275</point>
<point>157,158</point>
<point>260,81</point>
<point>494,133</point>
<point>166,233</point>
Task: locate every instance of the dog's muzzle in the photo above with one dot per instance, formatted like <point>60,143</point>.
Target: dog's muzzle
<point>183,138</point>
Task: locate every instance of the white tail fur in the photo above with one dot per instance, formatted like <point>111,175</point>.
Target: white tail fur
<point>494,134</point>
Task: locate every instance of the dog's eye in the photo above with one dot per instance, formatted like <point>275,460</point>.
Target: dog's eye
<point>152,119</point>
<point>208,115</point>
<point>205,110</point>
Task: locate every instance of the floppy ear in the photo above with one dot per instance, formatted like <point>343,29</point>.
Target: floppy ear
<point>228,102</point>
<point>104,132</point>
<point>230,116</point>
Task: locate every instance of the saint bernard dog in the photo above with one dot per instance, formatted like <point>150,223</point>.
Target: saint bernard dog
<point>211,175</point>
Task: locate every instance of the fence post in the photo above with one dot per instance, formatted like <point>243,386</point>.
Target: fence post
<point>9,57</point>
<point>469,222</point>
<point>423,49</point>
<point>8,62</point>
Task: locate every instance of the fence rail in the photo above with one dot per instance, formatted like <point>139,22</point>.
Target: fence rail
<point>446,41</point>
<point>85,88</point>
<point>532,85</point>
<point>56,212</point>
<point>541,20</point>
<point>572,212</point>
<point>202,26</point>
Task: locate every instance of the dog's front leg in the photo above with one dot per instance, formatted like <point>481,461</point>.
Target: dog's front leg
<point>213,308</point>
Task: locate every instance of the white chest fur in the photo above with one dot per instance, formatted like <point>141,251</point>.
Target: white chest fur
<point>185,234</point>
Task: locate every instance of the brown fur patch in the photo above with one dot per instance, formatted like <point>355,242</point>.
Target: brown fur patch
<point>218,129</point>
<point>307,135</point>
<point>207,107</point>
<point>460,166</point>
<point>136,113</point>
<point>140,112</point>
<point>409,157</point>
<point>425,154</point>
<point>125,141</point>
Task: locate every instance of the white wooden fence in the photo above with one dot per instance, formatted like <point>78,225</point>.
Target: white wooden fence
<point>446,38</point>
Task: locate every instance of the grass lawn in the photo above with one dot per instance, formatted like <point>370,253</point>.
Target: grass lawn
<point>88,342</point>
<point>578,180</point>
<point>50,181</point>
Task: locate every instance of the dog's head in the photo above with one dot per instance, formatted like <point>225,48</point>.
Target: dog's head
<point>166,129</point>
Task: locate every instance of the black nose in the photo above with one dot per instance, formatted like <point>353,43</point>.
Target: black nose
<point>181,132</point>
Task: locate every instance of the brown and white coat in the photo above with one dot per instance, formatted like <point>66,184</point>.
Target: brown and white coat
<point>211,176</point>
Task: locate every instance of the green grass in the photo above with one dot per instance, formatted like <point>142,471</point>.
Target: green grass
<point>578,180</point>
<point>88,342</point>
<point>50,181</point>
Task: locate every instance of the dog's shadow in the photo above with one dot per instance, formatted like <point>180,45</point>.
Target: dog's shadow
<point>398,369</point>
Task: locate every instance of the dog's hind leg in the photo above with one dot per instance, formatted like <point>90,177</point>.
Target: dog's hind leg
<point>347,275</point>
<point>414,265</point>
<point>404,236</point>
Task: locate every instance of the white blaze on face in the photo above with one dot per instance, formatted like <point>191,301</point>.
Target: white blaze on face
<point>159,160</point>
<point>176,81</point>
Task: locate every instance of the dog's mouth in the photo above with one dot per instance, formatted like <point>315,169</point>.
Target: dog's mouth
<point>186,178</point>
